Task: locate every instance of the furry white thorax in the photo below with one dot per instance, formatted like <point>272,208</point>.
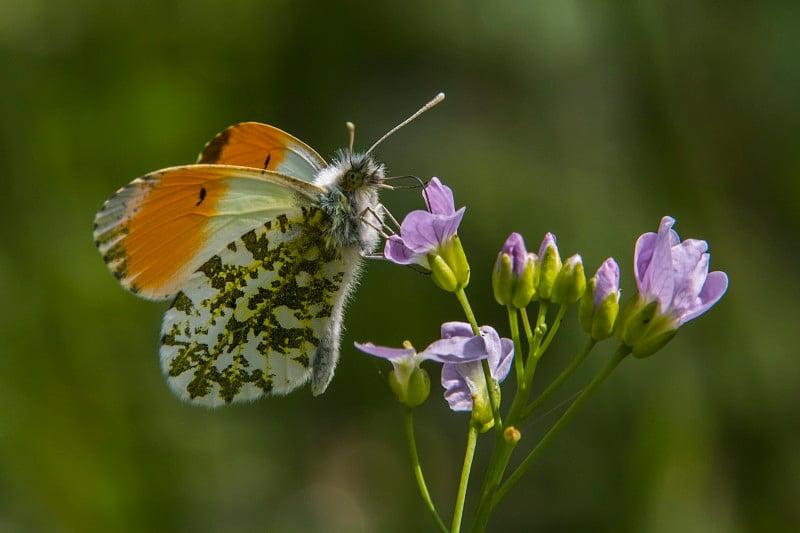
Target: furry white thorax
<point>352,183</point>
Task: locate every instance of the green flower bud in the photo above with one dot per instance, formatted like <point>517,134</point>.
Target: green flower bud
<point>514,276</point>
<point>600,303</point>
<point>570,283</point>
<point>549,267</point>
<point>502,283</point>
<point>525,286</point>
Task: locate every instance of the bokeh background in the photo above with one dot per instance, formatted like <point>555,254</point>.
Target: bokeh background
<point>587,119</point>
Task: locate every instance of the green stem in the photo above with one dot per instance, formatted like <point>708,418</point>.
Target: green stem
<point>464,301</point>
<point>458,513</point>
<point>497,466</point>
<point>527,325</point>
<point>534,347</point>
<point>565,374</point>
<point>519,367</point>
<point>552,331</point>
<point>423,489</point>
<point>515,476</point>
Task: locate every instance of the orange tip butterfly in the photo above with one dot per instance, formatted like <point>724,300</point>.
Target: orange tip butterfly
<point>258,245</point>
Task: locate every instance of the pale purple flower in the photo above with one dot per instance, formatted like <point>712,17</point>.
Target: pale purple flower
<point>675,274</point>
<point>423,232</point>
<point>607,281</point>
<point>465,380</point>
<point>449,349</point>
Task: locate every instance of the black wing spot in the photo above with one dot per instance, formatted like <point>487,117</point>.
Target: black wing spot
<point>266,162</point>
<point>202,196</point>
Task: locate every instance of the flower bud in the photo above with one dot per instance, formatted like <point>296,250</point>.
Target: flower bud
<point>513,279</point>
<point>549,266</point>
<point>599,305</point>
<point>570,283</point>
<point>512,435</point>
<point>502,284</point>
<point>525,285</point>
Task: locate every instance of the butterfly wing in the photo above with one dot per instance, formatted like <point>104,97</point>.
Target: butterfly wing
<point>262,315</point>
<point>158,230</point>
<point>256,145</point>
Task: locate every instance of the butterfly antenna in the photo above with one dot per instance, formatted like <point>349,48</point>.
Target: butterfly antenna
<point>352,129</point>
<point>438,98</point>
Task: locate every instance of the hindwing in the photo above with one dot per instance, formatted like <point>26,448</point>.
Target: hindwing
<point>253,318</point>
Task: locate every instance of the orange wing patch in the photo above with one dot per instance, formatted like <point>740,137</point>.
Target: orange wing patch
<point>161,224</point>
<point>256,145</point>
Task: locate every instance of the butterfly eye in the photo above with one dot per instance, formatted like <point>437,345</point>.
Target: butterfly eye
<point>353,180</point>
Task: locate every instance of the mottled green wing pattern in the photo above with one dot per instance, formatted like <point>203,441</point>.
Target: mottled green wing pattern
<point>250,321</point>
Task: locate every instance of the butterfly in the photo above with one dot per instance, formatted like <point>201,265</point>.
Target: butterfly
<point>258,246</point>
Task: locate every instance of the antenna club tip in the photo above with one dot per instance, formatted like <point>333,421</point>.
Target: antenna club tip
<point>349,125</point>
<point>439,97</point>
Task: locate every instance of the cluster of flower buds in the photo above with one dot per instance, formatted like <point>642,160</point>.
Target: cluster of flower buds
<point>520,277</point>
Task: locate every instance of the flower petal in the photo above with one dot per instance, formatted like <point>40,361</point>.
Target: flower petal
<point>506,356</point>
<point>658,281</point>
<point>456,329</point>
<point>690,269</point>
<point>439,198</point>
<point>422,232</point>
<point>456,350</point>
<point>456,388</point>
<point>714,288</point>
<point>397,252</point>
<point>385,352</point>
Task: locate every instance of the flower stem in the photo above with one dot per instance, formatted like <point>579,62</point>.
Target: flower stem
<point>515,476</point>
<point>494,474</point>
<point>565,374</point>
<point>552,331</point>
<point>519,367</point>
<point>423,489</point>
<point>527,325</point>
<point>469,454</point>
<point>464,301</point>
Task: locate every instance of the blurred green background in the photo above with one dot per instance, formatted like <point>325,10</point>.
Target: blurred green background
<point>587,119</point>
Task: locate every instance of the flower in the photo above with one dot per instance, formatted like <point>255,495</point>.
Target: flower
<point>514,276</point>
<point>410,382</point>
<point>465,383</point>
<point>429,238</point>
<point>600,303</point>
<point>674,288</point>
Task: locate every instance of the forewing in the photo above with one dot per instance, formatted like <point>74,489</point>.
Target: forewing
<point>249,322</point>
<point>158,230</point>
<point>256,145</point>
